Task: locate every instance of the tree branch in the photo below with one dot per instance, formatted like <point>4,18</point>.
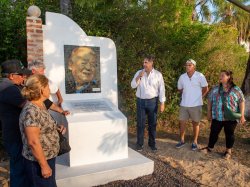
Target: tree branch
<point>240,5</point>
<point>201,2</point>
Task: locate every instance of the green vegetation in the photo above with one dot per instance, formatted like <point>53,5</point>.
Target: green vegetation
<point>166,28</point>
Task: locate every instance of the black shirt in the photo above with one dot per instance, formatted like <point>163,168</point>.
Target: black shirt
<point>11,101</point>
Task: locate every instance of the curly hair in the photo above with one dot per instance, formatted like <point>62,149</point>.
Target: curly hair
<point>33,86</point>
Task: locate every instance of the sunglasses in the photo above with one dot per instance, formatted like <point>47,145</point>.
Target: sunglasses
<point>20,74</point>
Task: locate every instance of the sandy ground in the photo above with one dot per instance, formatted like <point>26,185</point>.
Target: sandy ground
<point>201,169</point>
<point>4,173</point>
<point>208,170</point>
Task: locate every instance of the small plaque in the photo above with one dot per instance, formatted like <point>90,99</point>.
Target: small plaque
<point>89,106</point>
<point>96,89</point>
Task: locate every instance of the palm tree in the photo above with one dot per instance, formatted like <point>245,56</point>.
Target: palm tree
<point>66,8</point>
<point>236,16</point>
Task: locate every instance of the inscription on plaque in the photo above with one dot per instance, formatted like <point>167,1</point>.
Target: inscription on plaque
<point>90,106</point>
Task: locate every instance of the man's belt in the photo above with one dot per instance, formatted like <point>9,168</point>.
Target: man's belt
<point>148,99</point>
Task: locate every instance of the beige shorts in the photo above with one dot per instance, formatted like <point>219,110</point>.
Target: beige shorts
<point>193,113</point>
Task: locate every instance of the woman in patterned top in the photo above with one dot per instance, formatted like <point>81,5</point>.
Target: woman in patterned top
<point>39,133</point>
<point>234,100</point>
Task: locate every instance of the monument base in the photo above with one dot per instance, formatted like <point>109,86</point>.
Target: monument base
<point>97,132</point>
<point>134,166</point>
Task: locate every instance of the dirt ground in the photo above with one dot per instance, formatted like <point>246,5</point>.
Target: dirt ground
<point>184,167</point>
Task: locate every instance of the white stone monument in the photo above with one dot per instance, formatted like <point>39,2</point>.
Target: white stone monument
<point>97,130</point>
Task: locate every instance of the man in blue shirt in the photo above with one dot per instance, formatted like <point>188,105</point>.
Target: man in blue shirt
<point>11,103</point>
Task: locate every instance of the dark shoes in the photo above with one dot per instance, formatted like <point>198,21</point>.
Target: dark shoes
<point>153,148</point>
<point>139,148</point>
<point>180,144</point>
<point>194,146</point>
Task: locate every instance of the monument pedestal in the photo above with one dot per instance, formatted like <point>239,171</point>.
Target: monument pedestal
<point>99,154</point>
<point>97,132</point>
<point>132,167</point>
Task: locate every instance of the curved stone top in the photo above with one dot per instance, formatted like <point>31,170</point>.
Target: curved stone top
<point>34,11</point>
<point>63,24</point>
<point>60,31</point>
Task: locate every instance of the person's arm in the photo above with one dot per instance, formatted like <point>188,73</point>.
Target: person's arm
<point>59,96</point>
<point>137,78</point>
<point>204,85</point>
<point>242,111</point>
<point>33,134</point>
<point>180,90</point>
<point>162,107</point>
<point>162,97</point>
<point>180,85</point>
<point>50,105</point>
<point>241,105</point>
<point>204,91</point>
<point>58,109</point>
<point>61,129</point>
<point>209,110</point>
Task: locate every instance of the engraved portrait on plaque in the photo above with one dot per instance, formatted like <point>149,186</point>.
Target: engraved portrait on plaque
<point>82,69</point>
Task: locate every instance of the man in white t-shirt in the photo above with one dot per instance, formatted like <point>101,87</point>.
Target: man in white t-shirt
<point>193,86</point>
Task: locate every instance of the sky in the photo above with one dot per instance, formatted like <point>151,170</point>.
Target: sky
<point>212,8</point>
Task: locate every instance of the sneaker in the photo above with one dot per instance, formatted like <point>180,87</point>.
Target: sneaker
<point>194,146</point>
<point>154,149</point>
<point>139,148</point>
<point>180,145</point>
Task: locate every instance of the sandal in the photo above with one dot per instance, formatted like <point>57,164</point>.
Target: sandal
<point>227,155</point>
<point>206,150</point>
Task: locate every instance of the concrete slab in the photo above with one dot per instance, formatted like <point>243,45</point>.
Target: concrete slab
<point>134,166</point>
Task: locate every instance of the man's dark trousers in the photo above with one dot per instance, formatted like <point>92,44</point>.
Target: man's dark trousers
<point>17,172</point>
<point>146,107</point>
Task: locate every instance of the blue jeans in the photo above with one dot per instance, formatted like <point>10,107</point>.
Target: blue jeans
<point>17,172</point>
<point>146,107</point>
<point>34,174</point>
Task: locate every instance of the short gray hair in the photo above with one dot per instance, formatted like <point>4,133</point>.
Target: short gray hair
<point>35,65</point>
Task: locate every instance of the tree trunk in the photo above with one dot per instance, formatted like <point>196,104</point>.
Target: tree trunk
<point>246,82</point>
<point>66,8</point>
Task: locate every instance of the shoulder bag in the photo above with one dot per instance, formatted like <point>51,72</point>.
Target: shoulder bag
<point>229,114</point>
<point>64,144</point>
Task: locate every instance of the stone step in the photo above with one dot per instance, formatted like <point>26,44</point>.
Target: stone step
<point>136,165</point>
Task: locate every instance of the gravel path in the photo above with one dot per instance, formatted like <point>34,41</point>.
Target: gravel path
<point>164,175</point>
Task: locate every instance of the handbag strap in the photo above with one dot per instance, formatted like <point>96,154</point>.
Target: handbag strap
<point>222,96</point>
